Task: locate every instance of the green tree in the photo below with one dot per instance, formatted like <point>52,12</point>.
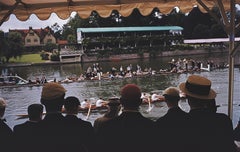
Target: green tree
<point>49,47</point>
<point>57,31</point>
<point>135,19</point>
<point>201,32</point>
<point>71,27</point>
<point>71,39</point>
<point>175,18</point>
<point>217,31</point>
<point>15,48</point>
<point>3,46</point>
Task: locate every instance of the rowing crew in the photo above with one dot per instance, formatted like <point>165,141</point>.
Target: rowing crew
<point>154,97</point>
<point>93,103</point>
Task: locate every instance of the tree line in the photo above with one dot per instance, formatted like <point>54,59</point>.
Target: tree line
<point>196,25</point>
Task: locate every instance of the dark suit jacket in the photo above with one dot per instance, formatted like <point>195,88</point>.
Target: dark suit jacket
<point>6,137</point>
<point>211,132</point>
<point>25,128</point>
<point>129,132</point>
<point>236,132</point>
<point>25,136</point>
<point>54,134</point>
<point>171,131</point>
<point>80,133</point>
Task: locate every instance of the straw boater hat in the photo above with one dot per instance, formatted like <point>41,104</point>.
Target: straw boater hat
<point>198,87</point>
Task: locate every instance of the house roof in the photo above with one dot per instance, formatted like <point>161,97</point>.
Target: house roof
<point>128,29</point>
<point>40,32</point>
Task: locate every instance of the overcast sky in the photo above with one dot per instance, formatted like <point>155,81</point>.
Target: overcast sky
<point>33,21</point>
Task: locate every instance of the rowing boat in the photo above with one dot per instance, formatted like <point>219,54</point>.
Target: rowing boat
<point>12,80</point>
<point>94,109</point>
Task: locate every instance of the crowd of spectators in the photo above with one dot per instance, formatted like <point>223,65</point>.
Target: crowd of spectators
<point>123,128</point>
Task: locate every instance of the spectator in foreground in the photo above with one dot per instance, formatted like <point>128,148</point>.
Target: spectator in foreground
<point>53,131</point>
<point>5,131</point>
<point>237,132</point>
<point>80,132</point>
<point>172,127</point>
<point>113,106</point>
<point>236,135</point>
<point>209,131</point>
<point>28,130</point>
<point>130,131</point>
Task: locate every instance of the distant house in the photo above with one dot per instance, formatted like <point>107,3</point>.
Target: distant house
<point>36,37</point>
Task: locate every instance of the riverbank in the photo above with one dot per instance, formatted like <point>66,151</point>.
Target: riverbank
<point>121,57</point>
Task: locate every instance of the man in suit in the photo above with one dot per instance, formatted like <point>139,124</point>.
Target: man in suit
<point>130,131</point>
<point>28,130</point>
<point>80,132</point>
<point>114,107</point>
<point>209,131</point>
<point>5,131</point>
<point>53,131</point>
<point>172,127</point>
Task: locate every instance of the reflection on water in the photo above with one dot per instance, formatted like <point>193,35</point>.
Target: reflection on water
<point>19,98</point>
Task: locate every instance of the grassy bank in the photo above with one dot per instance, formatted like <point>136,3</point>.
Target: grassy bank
<point>28,58</point>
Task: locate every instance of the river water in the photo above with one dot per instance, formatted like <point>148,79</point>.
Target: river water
<point>18,98</point>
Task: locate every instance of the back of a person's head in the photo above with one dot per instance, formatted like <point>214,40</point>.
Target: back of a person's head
<point>171,94</point>
<point>71,104</point>
<point>209,104</point>
<point>52,96</point>
<point>114,103</point>
<point>130,96</point>
<point>2,107</point>
<point>35,111</point>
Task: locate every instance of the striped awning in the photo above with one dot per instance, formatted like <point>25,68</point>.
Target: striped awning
<point>63,8</point>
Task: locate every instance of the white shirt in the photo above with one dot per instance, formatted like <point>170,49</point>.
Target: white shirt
<point>99,102</point>
<point>84,104</point>
<point>155,97</point>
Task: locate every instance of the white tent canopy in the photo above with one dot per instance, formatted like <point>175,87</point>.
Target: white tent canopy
<point>63,8</point>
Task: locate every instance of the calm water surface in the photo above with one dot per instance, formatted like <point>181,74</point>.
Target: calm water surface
<point>19,98</point>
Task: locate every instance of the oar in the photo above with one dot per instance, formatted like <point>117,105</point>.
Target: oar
<point>89,110</point>
<point>25,116</point>
<point>150,107</point>
<point>120,111</point>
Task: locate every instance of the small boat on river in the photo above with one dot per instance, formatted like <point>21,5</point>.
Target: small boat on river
<point>12,80</point>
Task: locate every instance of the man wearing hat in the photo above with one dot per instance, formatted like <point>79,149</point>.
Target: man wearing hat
<point>52,130</point>
<point>210,131</point>
<point>5,131</point>
<point>130,131</point>
<point>171,128</point>
<point>113,106</point>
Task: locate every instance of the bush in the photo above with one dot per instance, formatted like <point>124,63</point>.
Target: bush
<point>49,47</point>
<point>44,55</point>
<point>55,56</point>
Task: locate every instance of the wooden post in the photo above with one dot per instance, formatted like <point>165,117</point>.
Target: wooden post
<point>231,59</point>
